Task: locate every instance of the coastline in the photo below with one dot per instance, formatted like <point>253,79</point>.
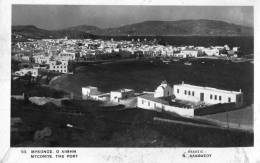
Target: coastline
<point>58,79</point>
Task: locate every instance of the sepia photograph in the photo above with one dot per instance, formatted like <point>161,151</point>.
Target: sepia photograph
<point>132,76</point>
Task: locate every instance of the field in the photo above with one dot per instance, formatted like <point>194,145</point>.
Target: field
<point>109,127</point>
<point>241,118</point>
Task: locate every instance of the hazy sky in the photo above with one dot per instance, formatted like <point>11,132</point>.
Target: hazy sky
<point>60,16</point>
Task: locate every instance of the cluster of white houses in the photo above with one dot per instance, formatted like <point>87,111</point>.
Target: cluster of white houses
<point>181,99</point>
<point>57,65</point>
<point>90,92</point>
<point>22,72</point>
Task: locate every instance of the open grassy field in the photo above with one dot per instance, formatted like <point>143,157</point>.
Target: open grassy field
<point>108,127</point>
<point>241,118</point>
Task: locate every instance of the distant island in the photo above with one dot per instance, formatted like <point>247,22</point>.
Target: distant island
<point>199,27</point>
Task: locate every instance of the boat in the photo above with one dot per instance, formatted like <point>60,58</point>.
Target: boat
<point>187,63</point>
<point>166,61</point>
<point>175,60</point>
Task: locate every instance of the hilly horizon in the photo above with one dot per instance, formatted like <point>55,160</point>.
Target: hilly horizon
<point>201,27</point>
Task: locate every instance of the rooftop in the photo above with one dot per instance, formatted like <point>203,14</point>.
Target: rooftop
<point>208,88</point>
<point>90,87</point>
<point>123,90</point>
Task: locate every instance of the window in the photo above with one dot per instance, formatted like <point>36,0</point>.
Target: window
<point>142,101</point>
<point>192,93</point>
<point>148,103</point>
<point>211,96</point>
<point>185,92</point>
<point>154,105</point>
<point>189,93</point>
<point>178,90</point>
<point>229,99</point>
<point>219,97</point>
<point>239,99</point>
<point>216,97</point>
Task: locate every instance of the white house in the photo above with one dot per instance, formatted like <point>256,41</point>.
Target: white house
<point>207,95</point>
<point>41,59</point>
<point>235,49</point>
<point>163,90</point>
<point>89,90</point>
<point>58,66</point>
<point>117,95</point>
<point>162,100</point>
<point>149,102</point>
<point>189,53</point>
<point>100,97</point>
<point>22,72</point>
<point>66,56</point>
<point>211,52</point>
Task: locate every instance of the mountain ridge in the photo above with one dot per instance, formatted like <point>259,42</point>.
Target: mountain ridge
<point>199,27</point>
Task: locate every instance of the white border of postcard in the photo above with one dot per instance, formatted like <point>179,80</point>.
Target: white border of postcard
<point>149,155</point>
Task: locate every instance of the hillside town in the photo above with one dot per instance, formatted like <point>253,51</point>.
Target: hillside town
<point>55,55</point>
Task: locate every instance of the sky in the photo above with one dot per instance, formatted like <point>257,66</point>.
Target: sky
<point>62,16</point>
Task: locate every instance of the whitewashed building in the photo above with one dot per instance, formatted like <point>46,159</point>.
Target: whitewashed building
<point>41,59</point>
<point>187,53</point>
<point>149,102</point>
<point>117,95</point>
<point>58,66</point>
<point>163,90</point>
<point>90,92</point>
<point>101,97</point>
<point>162,100</point>
<point>66,56</point>
<point>211,52</point>
<point>207,95</point>
<point>22,72</point>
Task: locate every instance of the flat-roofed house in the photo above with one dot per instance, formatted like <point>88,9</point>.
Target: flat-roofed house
<point>211,51</point>
<point>207,95</point>
<point>189,53</point>
<point>41,59</point>
<point>66,55</point>
<point>58,66</point>
<point>149,102</point>
<point>22,72</point>
<point>117,95</point>
<point>88,91</point>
